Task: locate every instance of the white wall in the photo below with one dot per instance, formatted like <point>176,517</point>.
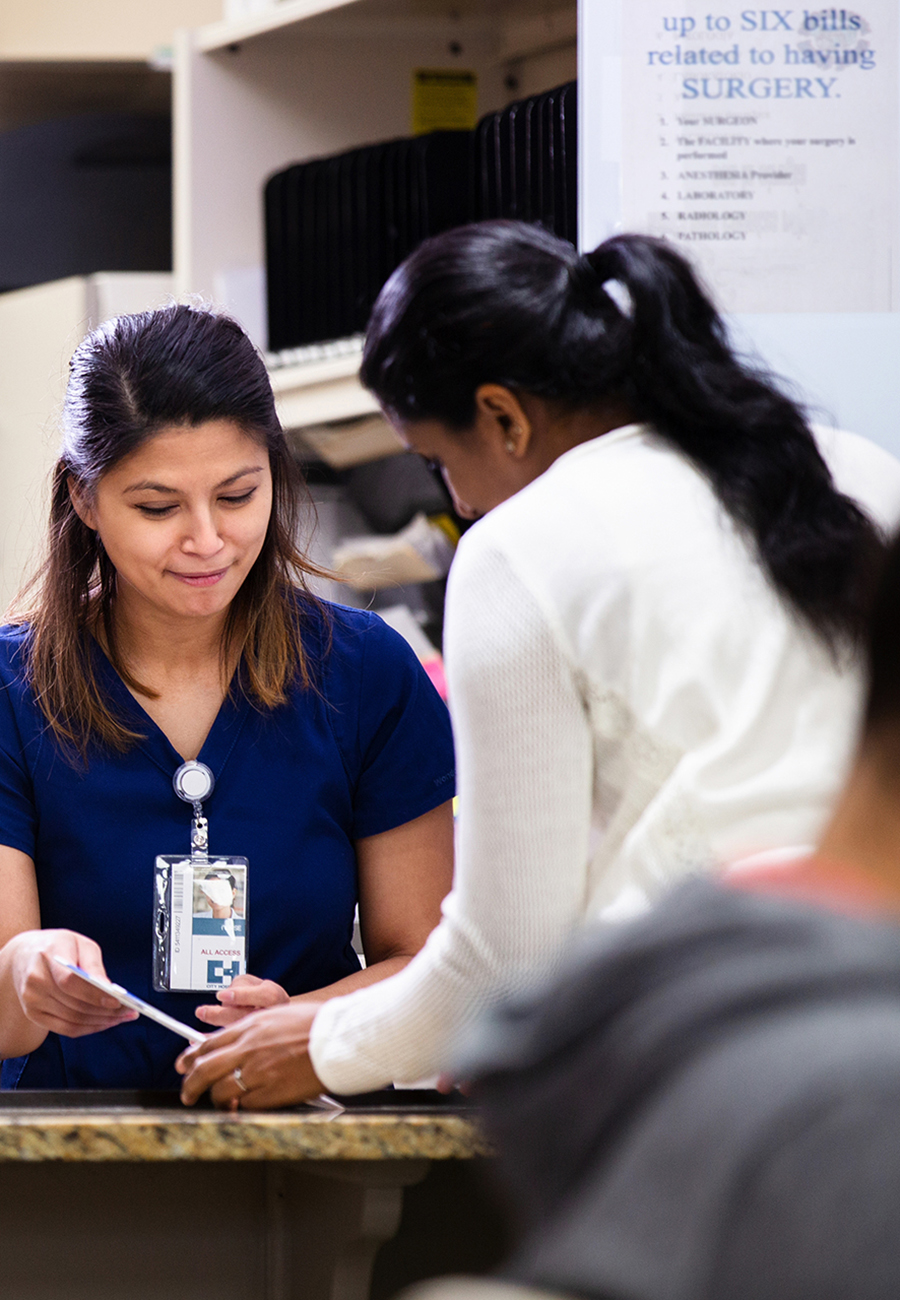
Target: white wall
<point>847,366</point>
<point>96,29</point>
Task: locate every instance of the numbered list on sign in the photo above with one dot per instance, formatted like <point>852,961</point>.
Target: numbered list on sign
<point>764,142</point>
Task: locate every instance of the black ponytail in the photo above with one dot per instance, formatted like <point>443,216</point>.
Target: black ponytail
<point>502,302</point>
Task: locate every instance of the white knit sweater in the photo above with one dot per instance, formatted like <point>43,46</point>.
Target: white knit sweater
<point>631,701</point>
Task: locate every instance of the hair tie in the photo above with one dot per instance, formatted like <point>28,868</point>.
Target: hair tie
<point>587,283</point>
<point>621,296</point>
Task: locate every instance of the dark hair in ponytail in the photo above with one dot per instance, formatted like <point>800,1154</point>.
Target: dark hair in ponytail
<point>506,303</point>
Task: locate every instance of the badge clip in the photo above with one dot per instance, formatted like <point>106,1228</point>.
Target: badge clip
<point>194,782</point>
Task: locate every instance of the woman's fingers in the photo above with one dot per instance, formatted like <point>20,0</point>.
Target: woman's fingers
<point>246,994</point>
<point>269,1048</point>
<point>209,1069</point>
<point>243,982</point>
<point>267,1080</point>
<point>272,1095</point>
<point>222,1016</point>
<point>259,993</point>
<point>70,991</point>
<point>212,1043</point>
<point>56,998</point>
<point>79,1028</point>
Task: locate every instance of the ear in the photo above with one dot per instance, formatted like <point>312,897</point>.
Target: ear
<point>81,504</point>
<point>501,414</point>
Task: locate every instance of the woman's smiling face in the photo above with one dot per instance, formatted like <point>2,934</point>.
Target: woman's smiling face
<point>183,519</point>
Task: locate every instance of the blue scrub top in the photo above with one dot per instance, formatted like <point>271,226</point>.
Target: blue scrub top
<point>366,749</point>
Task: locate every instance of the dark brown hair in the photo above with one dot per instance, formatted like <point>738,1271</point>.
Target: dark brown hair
<point>129,379</point>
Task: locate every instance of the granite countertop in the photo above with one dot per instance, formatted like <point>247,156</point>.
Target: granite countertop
<point>103,1132</point>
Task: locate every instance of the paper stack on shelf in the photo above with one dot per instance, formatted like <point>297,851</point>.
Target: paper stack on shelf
<point>343,443</point>
<point>421,552</point>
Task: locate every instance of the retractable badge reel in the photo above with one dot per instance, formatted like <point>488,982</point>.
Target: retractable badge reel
<point>200,929</point>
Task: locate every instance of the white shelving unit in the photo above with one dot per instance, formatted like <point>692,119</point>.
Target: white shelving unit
<point>318,392</point>
<point>308,78</point>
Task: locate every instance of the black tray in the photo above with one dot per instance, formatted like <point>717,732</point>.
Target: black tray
<point>386,1101</point>
<point>93,1099</point>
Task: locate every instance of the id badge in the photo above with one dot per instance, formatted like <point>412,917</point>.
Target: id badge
<point>200,904</point>
<point>201,922</point>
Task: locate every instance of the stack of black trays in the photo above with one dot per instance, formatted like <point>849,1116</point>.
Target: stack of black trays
<point>337,227</point>
<point>525,162</point>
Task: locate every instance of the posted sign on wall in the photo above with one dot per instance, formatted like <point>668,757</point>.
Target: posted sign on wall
<point>764,142</point>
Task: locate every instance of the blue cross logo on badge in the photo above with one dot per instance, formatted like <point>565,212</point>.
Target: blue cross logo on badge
<point>220,972</point>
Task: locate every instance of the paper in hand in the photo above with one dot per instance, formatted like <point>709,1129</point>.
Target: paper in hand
<point>135,1003</point>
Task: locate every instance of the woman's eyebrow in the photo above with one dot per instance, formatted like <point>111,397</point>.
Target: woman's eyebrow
<point>146,485</point>
<point>250,469</point>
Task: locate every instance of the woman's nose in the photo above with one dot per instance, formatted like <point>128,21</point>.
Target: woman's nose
<point>202,535</point>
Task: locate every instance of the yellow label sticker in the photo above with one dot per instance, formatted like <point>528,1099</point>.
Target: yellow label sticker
<point>444,99</point>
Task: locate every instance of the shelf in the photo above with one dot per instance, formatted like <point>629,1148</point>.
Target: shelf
<point>244,110</point>
<point>312,78</point>
<point>321,392</point>
<point>43,31</point>
<point>220,36</point>
<point>546,27</point>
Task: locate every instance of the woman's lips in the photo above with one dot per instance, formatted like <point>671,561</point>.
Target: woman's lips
<point>199,579</point>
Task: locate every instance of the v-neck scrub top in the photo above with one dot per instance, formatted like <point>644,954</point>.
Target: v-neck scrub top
<point>367,748</point>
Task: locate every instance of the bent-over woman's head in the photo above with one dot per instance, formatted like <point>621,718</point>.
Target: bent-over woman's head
<point>132,378</point>
<point>626,327</point>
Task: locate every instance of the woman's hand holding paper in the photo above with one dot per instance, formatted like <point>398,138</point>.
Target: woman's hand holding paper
<point>53,998</point>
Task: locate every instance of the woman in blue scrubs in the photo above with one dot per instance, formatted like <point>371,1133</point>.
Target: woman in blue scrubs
<point>172,621</point>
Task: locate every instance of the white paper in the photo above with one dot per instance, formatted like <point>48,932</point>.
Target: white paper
<point>134,1003</point>
<point>764,143</point>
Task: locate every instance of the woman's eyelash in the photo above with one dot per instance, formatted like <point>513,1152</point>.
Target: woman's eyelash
<point>155,510</point>
<point>160,512</point>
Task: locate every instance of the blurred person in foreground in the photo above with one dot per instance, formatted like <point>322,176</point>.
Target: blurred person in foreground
<point>707,1105</point>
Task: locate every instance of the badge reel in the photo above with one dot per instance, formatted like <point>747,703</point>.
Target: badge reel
<point>200,929</point>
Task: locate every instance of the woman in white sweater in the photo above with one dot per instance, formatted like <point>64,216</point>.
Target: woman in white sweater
<point>650,635</point>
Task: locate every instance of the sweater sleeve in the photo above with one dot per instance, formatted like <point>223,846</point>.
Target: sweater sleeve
<point>524,754</point>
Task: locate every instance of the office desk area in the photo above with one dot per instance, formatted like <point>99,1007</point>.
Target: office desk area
<point>133,1196</point>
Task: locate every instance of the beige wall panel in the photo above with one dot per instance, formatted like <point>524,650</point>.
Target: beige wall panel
<point>96,29</point>
<point>39,328</point>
